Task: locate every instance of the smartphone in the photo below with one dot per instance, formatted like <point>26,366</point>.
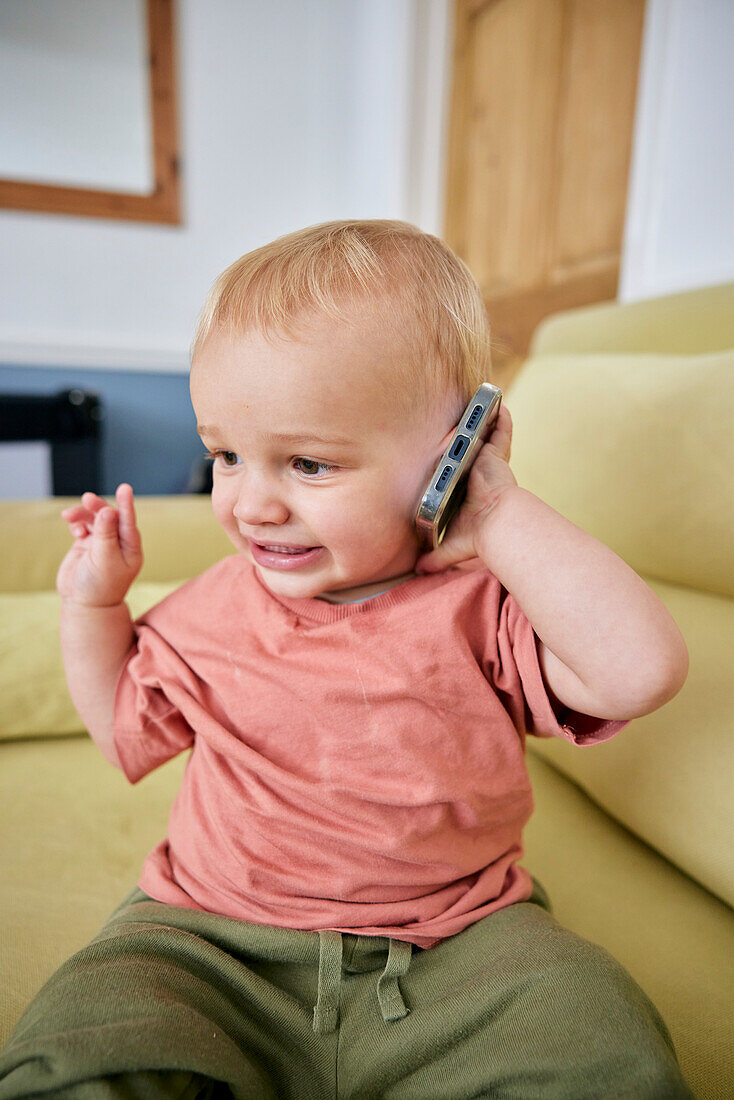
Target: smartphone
<point>445,492</point>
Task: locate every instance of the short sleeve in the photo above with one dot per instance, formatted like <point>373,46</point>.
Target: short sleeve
<point>512,666</point>
<point>154,684</point>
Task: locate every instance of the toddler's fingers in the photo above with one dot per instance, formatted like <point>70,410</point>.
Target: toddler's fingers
<point>124,497</point>
<point>104,532</point>
<point>86,511</point>
<point>501,434</point>
<point>129,534</point>
<point>93,502</point>
<point>81,517</point>
<point>76,512</point>
<point>76,518</point>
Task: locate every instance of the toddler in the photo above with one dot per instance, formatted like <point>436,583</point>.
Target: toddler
<point>338,909</point>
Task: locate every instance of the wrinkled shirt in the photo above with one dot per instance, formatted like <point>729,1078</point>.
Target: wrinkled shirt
<point>357,767</point>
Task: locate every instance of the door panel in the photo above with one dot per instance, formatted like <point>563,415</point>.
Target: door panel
<point>540,140</point>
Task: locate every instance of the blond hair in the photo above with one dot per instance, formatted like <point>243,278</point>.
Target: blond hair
<point>411,280</point>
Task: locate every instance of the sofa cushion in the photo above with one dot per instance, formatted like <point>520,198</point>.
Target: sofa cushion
<point>181,538</point>
<point>34,697</point>
<point>74,833</point>
<point>668,775</point>
<point>673,937</point>
<point>638,450</point>
<point>73,836</point>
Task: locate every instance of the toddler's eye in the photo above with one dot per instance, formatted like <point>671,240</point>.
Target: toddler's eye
<point>312,466</point>
<point>311,463</point>
<point>224,455</point>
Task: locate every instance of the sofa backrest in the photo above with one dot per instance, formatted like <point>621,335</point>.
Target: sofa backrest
<point>638,449</point>
<point>34,539</point>
<point>691,322</point>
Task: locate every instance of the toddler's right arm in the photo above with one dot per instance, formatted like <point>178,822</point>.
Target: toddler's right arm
<point>94,641</point>
<point>96,626</point>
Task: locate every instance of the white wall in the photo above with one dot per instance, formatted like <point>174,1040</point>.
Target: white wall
<point>292,112</point>
<point>679,231</point>
<point>299,111</point>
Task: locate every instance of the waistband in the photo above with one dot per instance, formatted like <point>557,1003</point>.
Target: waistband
<point>389,997</point>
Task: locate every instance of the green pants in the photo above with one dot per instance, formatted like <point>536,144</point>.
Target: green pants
<point>172,1002</point>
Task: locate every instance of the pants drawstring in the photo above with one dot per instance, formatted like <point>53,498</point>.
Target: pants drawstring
<point>392,1005</point>
<point>326,1009</point>
<point>391,1000</point>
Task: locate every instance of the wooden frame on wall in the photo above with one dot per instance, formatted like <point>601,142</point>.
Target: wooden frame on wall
<point>162,204</point>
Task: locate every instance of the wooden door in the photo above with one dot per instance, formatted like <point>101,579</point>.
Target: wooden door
<point>540,137</point>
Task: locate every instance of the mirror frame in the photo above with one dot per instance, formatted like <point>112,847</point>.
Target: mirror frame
<point>163,203</point>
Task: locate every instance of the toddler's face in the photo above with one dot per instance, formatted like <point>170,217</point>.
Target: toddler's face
<point>355,494</point>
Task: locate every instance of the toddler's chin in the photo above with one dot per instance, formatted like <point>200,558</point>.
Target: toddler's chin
<point>294,584</point>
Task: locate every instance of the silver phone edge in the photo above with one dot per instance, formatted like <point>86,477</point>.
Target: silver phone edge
<point>433,502</point>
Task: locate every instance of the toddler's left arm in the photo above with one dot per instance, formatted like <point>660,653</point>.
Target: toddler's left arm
<point>609,646</point>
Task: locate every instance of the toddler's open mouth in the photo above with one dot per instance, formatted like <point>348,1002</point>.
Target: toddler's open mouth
<point>282,556</point>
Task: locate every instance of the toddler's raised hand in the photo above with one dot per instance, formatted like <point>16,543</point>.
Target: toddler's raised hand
<point>107,553</point>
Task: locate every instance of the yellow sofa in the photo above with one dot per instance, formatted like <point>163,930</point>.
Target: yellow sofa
<point>623,420</point>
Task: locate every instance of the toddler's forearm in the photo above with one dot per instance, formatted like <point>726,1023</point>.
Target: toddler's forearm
<point>94,643</point>
<point>584,602</point>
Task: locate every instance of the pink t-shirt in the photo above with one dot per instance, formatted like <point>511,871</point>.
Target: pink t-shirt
<point>357,767</point>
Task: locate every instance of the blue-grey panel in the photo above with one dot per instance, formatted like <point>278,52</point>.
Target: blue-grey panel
<point>149,429</point>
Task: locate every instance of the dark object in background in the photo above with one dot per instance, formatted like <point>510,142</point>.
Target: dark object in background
<point>201,477</point>
<point>70,421</point>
